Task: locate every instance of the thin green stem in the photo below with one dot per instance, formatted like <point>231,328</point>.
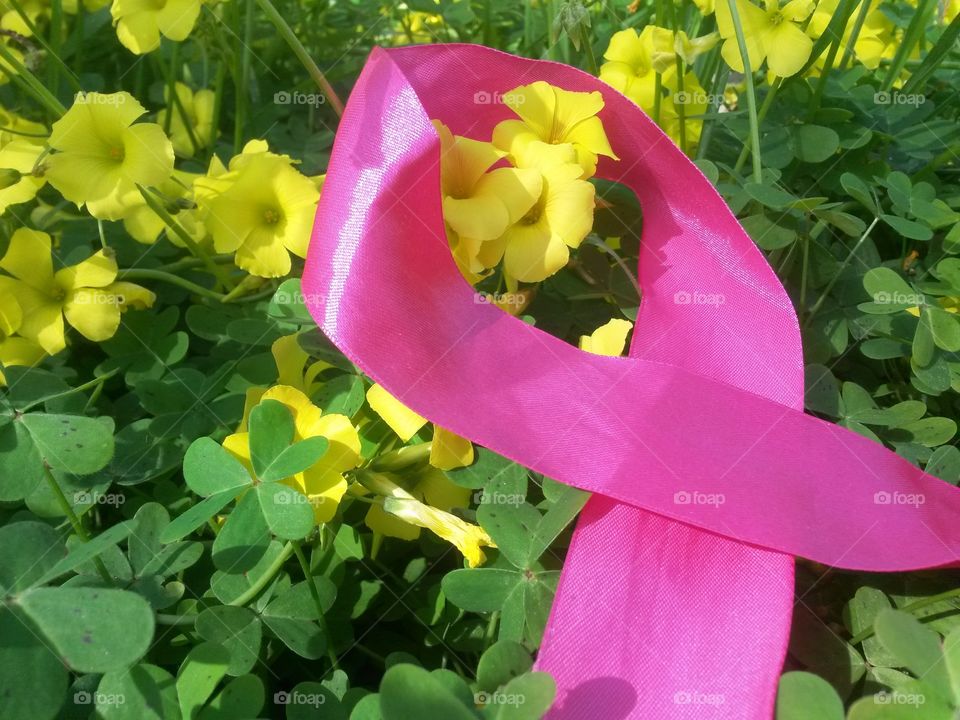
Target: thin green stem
<point>75,523</point>
<point>302,55</point>
<point>165,619</point>
<point>98,380</point>
<point>761,116</point>
<point>836,274</point>
<point>315,594</point>
<point>195,249</point>
<point>261,582</point>
<point>30,83</point>
<point>751,92</point>
<point>145,274</point>
<point>867,632</point>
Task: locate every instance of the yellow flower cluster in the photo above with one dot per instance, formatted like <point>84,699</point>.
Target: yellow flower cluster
<point>400,508</point>
<point>36,301</point>
<point>523,199</point>
<point>259,207</point>
<point>644,67</point>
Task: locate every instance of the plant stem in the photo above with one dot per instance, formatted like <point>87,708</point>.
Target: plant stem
<point>145,274</point>
<point>75,523</point>
<point>164,619</point>
<point>302,55</point>
<point>761,116</point>
<point>837,272</point>
<point>261,582</point>
<point>315,593</point>
<point>867,632</point>
<point>218,272</point>
<point>98,380</point>
<point>751,93</point>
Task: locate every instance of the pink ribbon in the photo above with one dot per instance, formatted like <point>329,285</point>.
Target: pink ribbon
<point>676,594</point>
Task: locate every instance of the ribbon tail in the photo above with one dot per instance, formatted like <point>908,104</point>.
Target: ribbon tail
<point>657,619</point>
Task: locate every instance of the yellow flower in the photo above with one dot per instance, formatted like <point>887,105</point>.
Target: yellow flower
<point>478,205</point>
<point>261,208</point>
<point>12,21</point>
<point>633,62</point>
<point>875,41</point>
<point>323,483</point>
<point>141,22</point>
<point>21,175</point>
<point>557,117</point>
<point>102,156</point>
<point>403,513</point>
<point>86,294</point>
<point>538,245</point>
<point>609,339</point>
<point>771,33</point>
<point>14,350</point>
<point>293,364</point>
<point>198,107</point>
<point>145,226</point>
<point>447,450</point>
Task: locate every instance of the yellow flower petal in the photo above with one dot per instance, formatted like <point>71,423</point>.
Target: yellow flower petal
<point>609,339</point>
<point>788,48</point>
<point>28,259</point>
<point>94,313</point>
<point>448,450</point>
<point>98,270</point>
<point>401,419</point>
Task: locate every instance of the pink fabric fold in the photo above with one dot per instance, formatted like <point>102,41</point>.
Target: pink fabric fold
<point>676,593</point>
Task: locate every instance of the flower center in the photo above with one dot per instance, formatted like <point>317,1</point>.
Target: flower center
<point>776,18</point>
<point>271,216</point>
<point>116,153</point>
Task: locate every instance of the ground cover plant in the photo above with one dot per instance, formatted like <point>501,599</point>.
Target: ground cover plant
<point>206,511</point>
